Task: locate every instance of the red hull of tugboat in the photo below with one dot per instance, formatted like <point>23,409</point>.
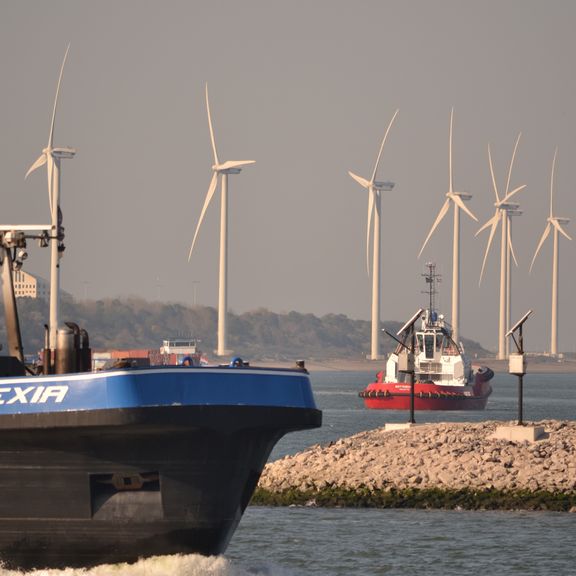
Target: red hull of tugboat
<point>429,396</point>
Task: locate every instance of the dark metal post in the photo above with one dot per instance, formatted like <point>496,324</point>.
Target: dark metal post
<point>520,384</point>
<point>412,377</point>
<point>520,379</point>
<point>13,333</point>
<point>517,362</point>
<point>49,358</point>
<point>406,355</point>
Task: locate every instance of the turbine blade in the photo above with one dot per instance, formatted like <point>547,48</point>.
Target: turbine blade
<point>495,221</point>
<point>369,226</point>
<point>441,215</point>
<point>511,246</point>
<point>382,145</point>
<point>492,173</point>
<point>51,136</point>
<point>216,162</point>
<point>508,196</point>
<point>489,223</point>
<point>209,195</point>
<point>39,162</point>
<point>556,225</point>
<point>542,240</point>
<point>460,203</point>
<point>234,164</point>
<point>362,181</point>
<point>450,189</point>
<point>552,180</point>
<point>511,164</point>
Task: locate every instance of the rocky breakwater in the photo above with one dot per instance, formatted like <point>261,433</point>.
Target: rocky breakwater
<point>431,465</point>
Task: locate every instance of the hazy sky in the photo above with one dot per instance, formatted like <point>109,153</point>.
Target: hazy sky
<point>305,88</point>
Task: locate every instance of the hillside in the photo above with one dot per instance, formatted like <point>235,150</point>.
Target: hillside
<point>260,334</point>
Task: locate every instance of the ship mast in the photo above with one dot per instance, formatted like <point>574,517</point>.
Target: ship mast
<point>432,279</point>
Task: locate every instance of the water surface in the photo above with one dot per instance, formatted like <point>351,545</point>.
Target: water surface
<point>299,541</point>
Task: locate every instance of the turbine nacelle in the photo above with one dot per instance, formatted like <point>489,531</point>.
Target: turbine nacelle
<point>62,152</point>
<point>463,195</point>
<point>559,220</point>
<point>509,206</point>
<point>231,166</point>
<point>220,170</point>
<point>387,185</point>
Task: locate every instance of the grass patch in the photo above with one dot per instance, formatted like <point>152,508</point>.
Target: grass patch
<point>431,498</point>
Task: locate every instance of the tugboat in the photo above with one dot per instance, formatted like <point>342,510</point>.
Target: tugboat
<point>444,379</point>
<point>110,466</point>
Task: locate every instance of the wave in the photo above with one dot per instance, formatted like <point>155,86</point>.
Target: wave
<point>175,565</point>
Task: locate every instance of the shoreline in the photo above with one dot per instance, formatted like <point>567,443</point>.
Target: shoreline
<point>442,465</point>
<point>533,365</point>
<point>428,499</point>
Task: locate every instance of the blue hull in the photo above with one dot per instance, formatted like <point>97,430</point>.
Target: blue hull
<point>162,386</point>
<point>111,466</point>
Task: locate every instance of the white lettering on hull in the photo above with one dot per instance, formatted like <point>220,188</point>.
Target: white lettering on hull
<point>33,394</point>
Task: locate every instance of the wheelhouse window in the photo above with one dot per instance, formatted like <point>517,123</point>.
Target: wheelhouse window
<point>429,345</point>
<point>439,342</point>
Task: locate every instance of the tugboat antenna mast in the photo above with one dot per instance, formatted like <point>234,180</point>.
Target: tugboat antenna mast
<point>432,278</point>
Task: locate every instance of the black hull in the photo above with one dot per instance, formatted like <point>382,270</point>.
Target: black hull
<point>108,486</point>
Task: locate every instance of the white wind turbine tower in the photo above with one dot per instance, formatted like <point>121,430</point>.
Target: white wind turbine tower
<point>457,199</point>
<point>500,216</point>
<point>220,169</point>
<point>51,156</point>
<point>512,210</point>
<point>556,223</point>
<point>374,188</point>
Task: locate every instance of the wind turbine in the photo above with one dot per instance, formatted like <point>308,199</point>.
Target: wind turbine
<point>500,216</point>
<point>51,156</point>
<point>457,199</point>
<point>223,170</point>
<point>556,223</point>
<point>374,188</point>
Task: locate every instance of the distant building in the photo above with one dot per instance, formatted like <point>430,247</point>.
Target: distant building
<point>28,286</point>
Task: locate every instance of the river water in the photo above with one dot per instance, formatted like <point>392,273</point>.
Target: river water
<point>298,541</point>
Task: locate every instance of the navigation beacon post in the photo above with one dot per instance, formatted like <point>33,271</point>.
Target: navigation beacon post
<point>517,361</point>
<point>406,356</point>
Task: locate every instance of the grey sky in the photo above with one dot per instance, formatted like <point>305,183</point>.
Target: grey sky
<point>305,88</point>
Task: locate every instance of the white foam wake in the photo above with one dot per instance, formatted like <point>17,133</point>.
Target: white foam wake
<point>176,565</point>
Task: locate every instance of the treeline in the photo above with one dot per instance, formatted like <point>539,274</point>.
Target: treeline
<point>260,334</point>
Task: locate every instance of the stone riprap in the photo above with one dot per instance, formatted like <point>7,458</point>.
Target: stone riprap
<point>445,456</point>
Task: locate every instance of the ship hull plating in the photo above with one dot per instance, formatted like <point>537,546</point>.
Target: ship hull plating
<point>430,396</point>
<point>81,488</point>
